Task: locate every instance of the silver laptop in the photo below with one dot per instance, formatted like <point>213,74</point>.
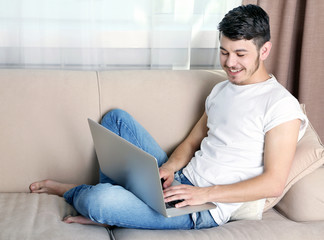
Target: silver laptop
<point>135,170</point>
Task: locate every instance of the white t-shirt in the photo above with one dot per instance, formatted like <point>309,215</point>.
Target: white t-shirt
<point>238,118</point>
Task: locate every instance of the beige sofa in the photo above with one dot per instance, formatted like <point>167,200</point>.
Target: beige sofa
<point>44,134</point>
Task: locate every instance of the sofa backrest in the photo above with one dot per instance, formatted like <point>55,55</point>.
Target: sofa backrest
<point>43,126</point>
<point>166,103</point>
<point>44,132</point>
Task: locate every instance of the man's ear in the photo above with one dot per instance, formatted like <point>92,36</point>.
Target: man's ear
<point>265,50</point>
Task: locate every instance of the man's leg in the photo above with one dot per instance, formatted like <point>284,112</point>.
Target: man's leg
<point>124,125</point>
<point>57,188</point>
<point>113,205</point>
<point>129,210</point>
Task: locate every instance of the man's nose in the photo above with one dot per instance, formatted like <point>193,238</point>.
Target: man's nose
<point>231,61</point>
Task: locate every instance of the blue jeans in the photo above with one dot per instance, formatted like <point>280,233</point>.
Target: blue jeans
<point>111,204</point>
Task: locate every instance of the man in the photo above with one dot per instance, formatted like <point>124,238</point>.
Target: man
<point>240,150</point>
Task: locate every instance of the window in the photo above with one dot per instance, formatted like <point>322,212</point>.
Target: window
<point>110,34</point>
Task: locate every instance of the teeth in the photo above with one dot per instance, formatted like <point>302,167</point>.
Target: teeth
<point>234,71</point>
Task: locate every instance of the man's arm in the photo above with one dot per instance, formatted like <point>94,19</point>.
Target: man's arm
<point>184,152</point>
<point>280,146</point>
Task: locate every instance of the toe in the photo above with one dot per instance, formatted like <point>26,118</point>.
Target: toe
<point>37,187</point>
<point>67,219</point>
<point>33,187</point>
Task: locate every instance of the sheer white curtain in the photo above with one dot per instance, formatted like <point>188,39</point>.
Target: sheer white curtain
<point>111,34</point>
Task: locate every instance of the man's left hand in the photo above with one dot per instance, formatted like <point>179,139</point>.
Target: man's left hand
<point>190,194</point>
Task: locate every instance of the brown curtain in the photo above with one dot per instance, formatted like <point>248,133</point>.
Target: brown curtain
<point>297,55</point>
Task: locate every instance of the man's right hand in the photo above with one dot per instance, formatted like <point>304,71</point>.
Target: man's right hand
<point>167,174</point>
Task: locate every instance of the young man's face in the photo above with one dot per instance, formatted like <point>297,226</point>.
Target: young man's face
<point>240,59</point>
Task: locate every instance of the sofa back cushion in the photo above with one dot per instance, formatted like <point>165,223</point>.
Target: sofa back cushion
<point>309,156</point>
<point>166,103</point>
<point>44,129</point>
<point>304,201</point>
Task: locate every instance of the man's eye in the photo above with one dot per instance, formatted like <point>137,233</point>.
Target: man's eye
<point>240,55</point>
<point>224,53</point>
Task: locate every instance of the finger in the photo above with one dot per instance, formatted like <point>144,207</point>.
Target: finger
<point>168,182</point>
<point>177,189</point>
<point>167,192</point>
<point>182,204</point>
<point>173,190</point>
<point>169,197</point>
<point>164,182</point>
<point>168,179</point>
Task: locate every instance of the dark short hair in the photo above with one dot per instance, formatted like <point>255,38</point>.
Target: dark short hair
<point>246,22</point>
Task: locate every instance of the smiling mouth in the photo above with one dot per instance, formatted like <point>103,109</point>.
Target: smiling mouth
<point>234,71</point>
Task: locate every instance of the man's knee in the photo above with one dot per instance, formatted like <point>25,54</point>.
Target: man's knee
<point>114,114</point>
<point>97,198</point>
<point>113,118</point>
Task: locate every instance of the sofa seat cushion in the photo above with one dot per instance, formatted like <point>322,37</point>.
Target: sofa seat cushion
<point>273,226</point>
<point>39,216</point>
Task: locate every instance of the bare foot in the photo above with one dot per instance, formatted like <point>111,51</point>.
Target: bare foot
<point>82,220</point>
<point>50,187</point>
